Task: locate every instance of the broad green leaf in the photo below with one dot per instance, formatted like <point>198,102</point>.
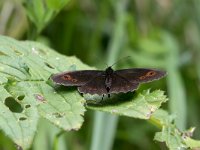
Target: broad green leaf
<point>40,12</point>
<point>191,143</point>
<point>26,94</point>
<point>19,126</point>
<point>36,12</point>
<point>175,139</point>
<point>25,68</point>
<point>170,134</point>
<point>141,107</point>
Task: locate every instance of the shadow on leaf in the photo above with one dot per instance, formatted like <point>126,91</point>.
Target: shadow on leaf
<point>115,99</point>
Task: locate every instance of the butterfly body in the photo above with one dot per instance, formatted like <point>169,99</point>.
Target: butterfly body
<point>107,81</point>
<point>108,78</point>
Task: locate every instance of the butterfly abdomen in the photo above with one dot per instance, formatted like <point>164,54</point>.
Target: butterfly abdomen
<point>108,83</point>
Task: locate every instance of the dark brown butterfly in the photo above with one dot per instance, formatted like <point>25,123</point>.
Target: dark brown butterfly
<point>108,81</point>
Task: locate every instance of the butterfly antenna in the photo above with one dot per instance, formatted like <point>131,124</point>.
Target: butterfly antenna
<point>120,60</point>
<point>106,64</point>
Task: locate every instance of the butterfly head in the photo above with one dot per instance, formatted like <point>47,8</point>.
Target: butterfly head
<point>109,70</point>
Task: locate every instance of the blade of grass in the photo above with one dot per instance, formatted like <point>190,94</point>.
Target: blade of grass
<point>105,124</point>
<point>50,137</point>
<point>177,92</point>
<point>103,131</point>
<point>95,41</point>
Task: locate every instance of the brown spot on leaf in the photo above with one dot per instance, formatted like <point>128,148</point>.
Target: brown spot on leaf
<point>40,97</point>
<point>58,115</point>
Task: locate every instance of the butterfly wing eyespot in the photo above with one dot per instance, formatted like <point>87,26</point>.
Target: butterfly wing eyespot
<point>142,77</point>
<point>66,77</point>
<point>75,78</point>
<point>150,73</point>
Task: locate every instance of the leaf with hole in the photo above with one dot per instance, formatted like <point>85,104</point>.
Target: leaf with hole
<point>26,94</point>
<point>171,135</point>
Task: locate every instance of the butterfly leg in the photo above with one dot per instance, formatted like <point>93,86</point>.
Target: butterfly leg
<point>108,90</point>
<point>102,97</point>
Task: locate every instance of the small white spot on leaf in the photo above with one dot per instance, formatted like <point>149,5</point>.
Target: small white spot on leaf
<point>35,51</point>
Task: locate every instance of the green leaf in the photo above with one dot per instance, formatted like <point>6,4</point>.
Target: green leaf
<point>141,107</point>
<point>175,139</point>
<point>55,4</point>
<point>162,118</point>
<point>25,68</point>
<point>20,127</point>
<point>26,94</point>
<point>170,134</point>
<point>40,12</point>
<point>191,143</point>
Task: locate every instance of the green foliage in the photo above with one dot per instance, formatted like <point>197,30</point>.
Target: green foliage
<point>171,135</point>
<point>142,106</point>
<point>40,12</point>
<point>24,71</point>
<point>145,106</point>
<point>154,33</point>
<point>25,68</point>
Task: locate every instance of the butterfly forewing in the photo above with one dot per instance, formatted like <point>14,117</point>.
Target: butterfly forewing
<point>120,84</point>
<point>108,81</point>
<point>140,75</point>
<point>94,86</point>
<point>75,78</point>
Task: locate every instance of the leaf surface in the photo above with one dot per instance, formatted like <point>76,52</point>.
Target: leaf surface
<point>141,106</point>
<point>25,68</point>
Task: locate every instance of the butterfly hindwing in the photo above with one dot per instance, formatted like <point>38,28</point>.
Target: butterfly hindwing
<point>140,75</point>
<point>75,78</point>
<point>120,84</point>
<point>94,86</point>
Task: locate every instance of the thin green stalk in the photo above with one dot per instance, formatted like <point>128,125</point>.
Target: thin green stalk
<point>105,124</point>
<point>103,131</point>
<point>56,139</point>
<point>96,35</point>
<point>177,103</point>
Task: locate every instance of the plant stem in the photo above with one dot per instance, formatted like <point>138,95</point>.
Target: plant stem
<point>55,141</point>
<point>105,124</point>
